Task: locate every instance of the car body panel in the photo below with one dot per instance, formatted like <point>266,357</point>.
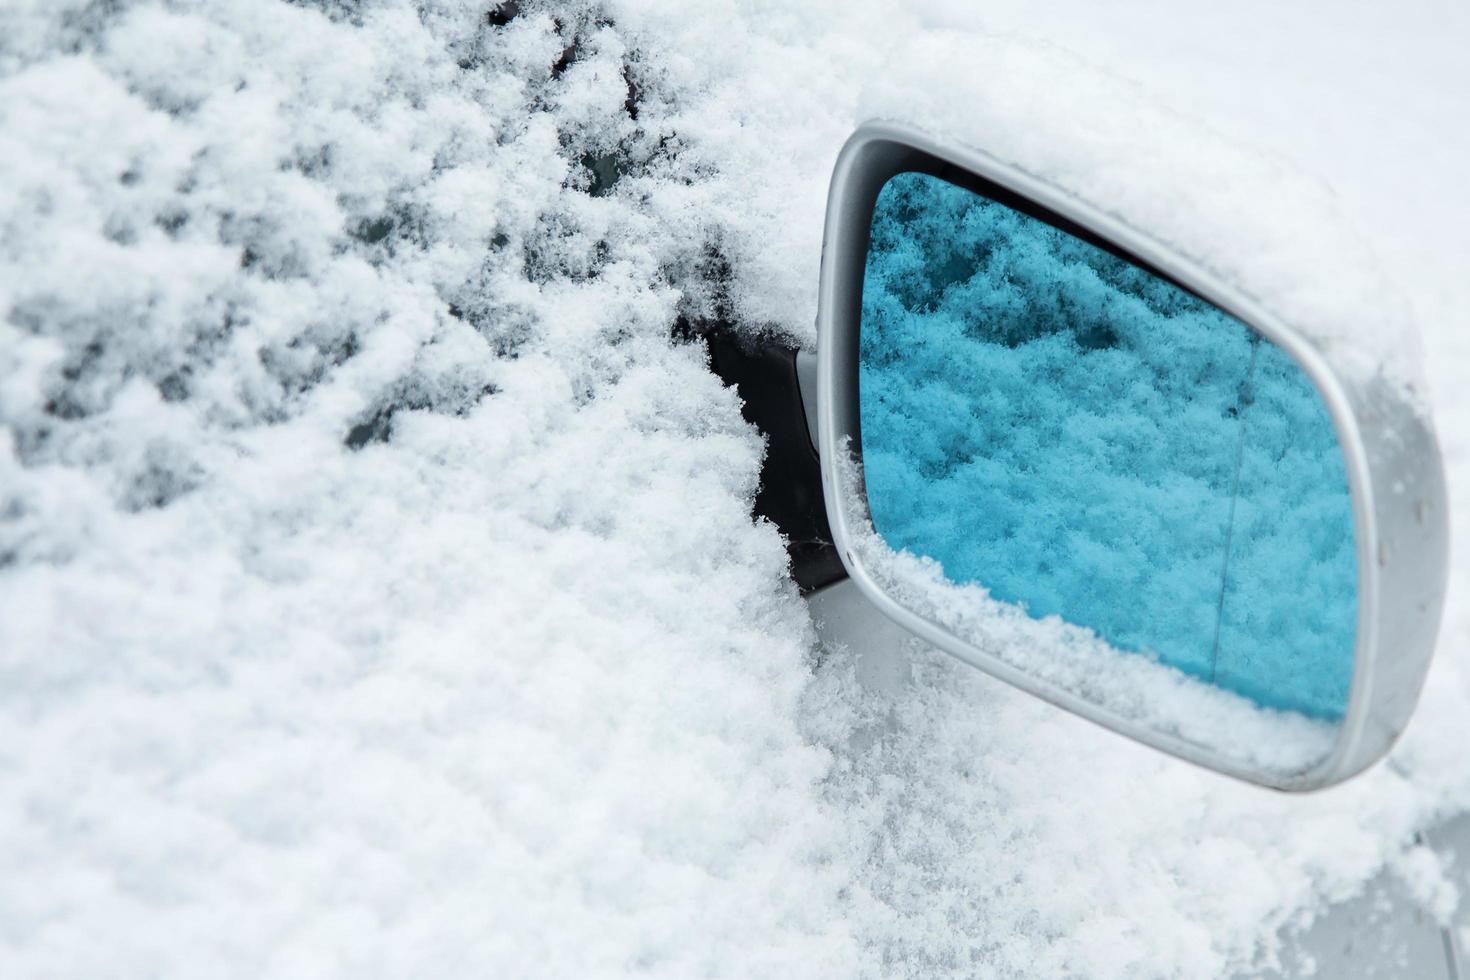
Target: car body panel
<point>1383,933</point>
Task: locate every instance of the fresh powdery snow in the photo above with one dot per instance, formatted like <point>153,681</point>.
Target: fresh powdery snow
<point>379,594</point>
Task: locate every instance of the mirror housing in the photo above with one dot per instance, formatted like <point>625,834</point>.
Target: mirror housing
<point>1392,462</point>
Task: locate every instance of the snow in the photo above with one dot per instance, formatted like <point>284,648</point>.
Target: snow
<point>378,589</point>
<point>1422,871</point>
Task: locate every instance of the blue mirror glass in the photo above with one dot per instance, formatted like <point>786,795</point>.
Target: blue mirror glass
<point>1047,418</point>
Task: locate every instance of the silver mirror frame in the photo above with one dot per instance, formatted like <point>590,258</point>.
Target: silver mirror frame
<point>1395,473</point>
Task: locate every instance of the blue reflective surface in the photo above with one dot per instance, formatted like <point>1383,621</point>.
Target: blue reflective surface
<point>1088,440</point>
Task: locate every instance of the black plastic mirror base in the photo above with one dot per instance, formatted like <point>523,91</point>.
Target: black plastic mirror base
<point>790,495</point>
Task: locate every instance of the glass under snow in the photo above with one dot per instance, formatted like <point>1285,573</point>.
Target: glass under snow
<point>1047,420</point>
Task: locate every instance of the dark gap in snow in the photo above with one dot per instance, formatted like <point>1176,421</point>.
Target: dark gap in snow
<point>81,29</point>
<point>178,108</point>
<point>505,332</point>
<point>1097,337</point>
<point>160,483</point>
<point>172,221</point>
<point>376,428</point>
<point>485,391</point>
<point>685,331</point>
<point>666,157</point>
<point>707,294</point>
<point>506,327</point>
<point>503,14</point>
<point>70,403</point>
<point>64,407</point>
<point>30,317</point>
<point>630,104</point>
<point>120,231</point>
<point>174,387</point>
<point>31,441</point>
<point>507,345</point>
<point>267,246</point>
<point>305,360</point>
<point>314,161</point>
<point>337,11</point>
<point>402,225</point>
<point>562,249</point>
<point>341,351</point>
<point>370,231</point>
<point>565,60</point>
<point>568,54</point>
<point>604,170</point>
<point>88,357</point>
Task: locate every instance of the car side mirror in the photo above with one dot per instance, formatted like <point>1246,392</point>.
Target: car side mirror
<point>1066,455</point>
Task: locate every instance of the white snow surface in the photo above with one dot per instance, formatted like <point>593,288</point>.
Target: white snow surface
<point>379,594</point>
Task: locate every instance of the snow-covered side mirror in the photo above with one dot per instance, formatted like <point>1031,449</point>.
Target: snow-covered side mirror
<point>1070,457</point>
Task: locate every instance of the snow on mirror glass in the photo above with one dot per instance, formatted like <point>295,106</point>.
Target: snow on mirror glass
<point>1084,470</point>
